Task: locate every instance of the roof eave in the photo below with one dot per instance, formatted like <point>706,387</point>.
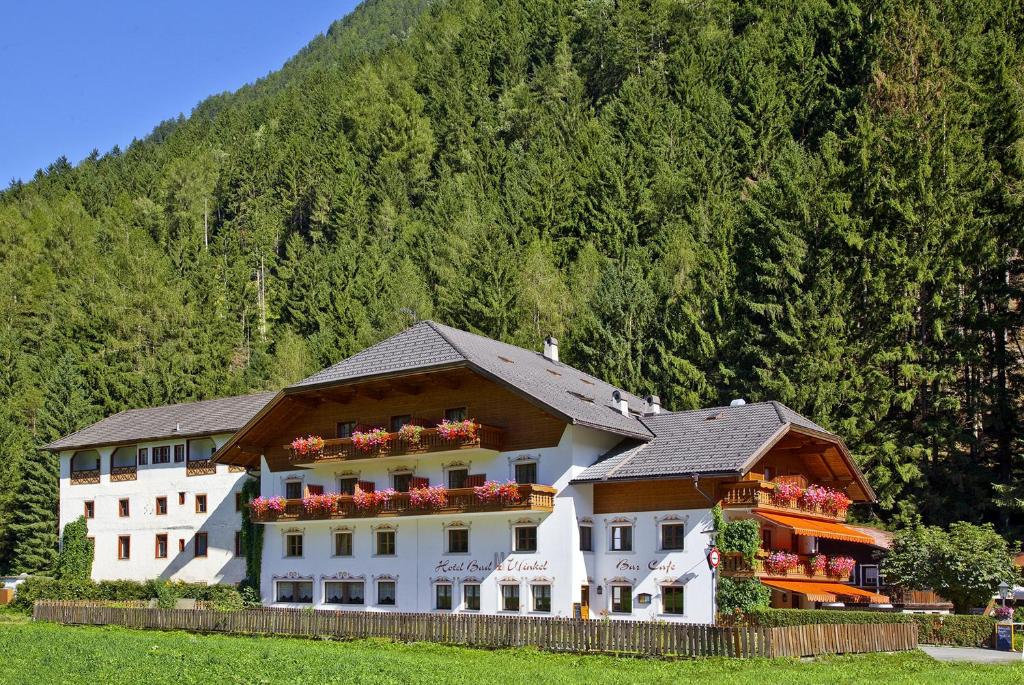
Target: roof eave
<point>53,447</point>
<point>661,476</point>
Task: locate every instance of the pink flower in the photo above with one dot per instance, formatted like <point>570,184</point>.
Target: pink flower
<point>786,492</point>
<point>410,433</point>
<point>319,504</point>
<point>263,505</point>
<point>840,567</point>
<point>493,491</point>
<point>457,430</point>
<point>818,563</point>
<point>312,444</point>
<point>367,441</point>
<point>430,497</point>
<point>780,563</point>
<point>370,499</point>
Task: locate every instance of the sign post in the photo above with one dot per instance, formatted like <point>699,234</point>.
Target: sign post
<point>714,558</point>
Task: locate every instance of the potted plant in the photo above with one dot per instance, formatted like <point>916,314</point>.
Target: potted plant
<point>840,567</point>
<point>410,433</point>
<point>429,497</point>
<point>457,430</point>
<point>262,506</point>
<point>319,504</point>
<point>312,444</point>
<point>781,563</point>
<point>817,565</point>
<point>786,493</point>
<point>373,439</point>
<point>837,502</point>
<point>814,497</point>
<point>363,499</point>
<point>494,491</point>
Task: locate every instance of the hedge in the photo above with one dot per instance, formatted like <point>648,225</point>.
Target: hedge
<point>938,629</point>
<point>223,597</point>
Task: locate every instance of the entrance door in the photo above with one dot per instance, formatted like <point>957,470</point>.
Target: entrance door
<point>585,602</point>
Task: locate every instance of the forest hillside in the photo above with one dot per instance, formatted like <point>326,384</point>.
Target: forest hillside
<point>815,201</point>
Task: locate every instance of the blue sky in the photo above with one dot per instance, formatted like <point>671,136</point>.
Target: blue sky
<point>78,75</point>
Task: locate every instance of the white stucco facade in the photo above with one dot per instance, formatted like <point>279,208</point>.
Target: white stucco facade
<point>177,516</point>
<point>559,569</point>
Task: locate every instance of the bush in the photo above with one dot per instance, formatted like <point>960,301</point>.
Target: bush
<point>937,629</point>
<point>76,552</point>
<point>742,595</point>
<point>224,597</point>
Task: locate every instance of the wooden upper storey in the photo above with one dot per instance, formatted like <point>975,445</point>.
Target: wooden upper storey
<point>424,396</point>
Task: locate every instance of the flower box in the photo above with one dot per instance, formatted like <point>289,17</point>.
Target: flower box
<point>457,430</point>
<point>312,444</point>
<point>261,506</point>
<point>781,563</point>
<point>372,499</point>
<point>410,434</point>
<point>429,497</point>
<point>370,440</point>
<point>495,492</point>
<point>840,567</point>
<point>319,504</point>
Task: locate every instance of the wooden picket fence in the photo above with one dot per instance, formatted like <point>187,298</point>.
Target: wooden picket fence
<point>634,638</point>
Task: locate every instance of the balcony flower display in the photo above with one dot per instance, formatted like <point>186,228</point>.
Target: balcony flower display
<point>837,502</point>
<point>814,497</point>
<point>818,565</point>
<point>410,433</point>
<point>263,505</point>
<point>367,441</point>
<point>840,567</point>
<point>781,563</point>
<point>312,444</point>
<point>430,497</point>
<point>495,492</point>
<point>372,499</point>
<point>319,504</point>
<point>457,430</point>
<point>786,493</point>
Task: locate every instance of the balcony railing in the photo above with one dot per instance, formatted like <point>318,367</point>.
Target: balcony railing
<point>735,565</point>
<point>460,500</point>
<point>123,473</point>
<point>200,467</point>
<point>342,449</point>
<point>89,477</point>
<point>761,494</point>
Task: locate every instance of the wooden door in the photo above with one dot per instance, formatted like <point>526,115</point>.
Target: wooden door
<point>585,602</point>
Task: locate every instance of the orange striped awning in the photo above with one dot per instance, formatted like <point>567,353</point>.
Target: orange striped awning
<point>825,591</point>
<point>821,529</point>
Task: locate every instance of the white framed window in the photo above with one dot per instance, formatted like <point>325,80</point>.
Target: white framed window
<point>621,537</point>
<point>386,593</point>
<point>456,541</point>
<point>443,596</point>
<point>869,575</point>
<point>471,596</point>
<point>344,592</point>
<point>673,600</point>
<point>293,545</point>
<point>622,599</point>
<point>509,597</point>
<point>673,536</point>
<point>385,543</point>
<point>524,538</point>
<point>524,471</point>
<point>342,543</point>
<point>293,591</point>
<point>541,597</point>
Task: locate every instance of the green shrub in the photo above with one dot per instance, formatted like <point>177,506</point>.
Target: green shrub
<point>76,552</point>
<point>959,630</point>
<point>742,595</point>
<point>225,597</point>
<point>801,617</point>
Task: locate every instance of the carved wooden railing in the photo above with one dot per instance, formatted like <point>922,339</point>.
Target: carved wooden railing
<point>460,500</point>
<point>123,473</point>
<point>200,467</point>
<point>342,449</point>
<point>89,477</point>
<point>748,494</point>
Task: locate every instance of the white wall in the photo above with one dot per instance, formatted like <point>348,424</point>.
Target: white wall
<point>181,522</point>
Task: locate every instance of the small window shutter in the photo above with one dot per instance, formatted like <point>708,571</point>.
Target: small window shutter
<point>420,482</point>
<point>366,485</point>
<point>475,480</point>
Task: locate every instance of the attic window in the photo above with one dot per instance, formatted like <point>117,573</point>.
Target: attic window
<point>506,359</point>
<point>712,417</point>
<point>586,381</point>
<point>553,372</point>
<point>581,396</point>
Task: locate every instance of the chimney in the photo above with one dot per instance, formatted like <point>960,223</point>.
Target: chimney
<point>177,428</point>
<point>738,402</point>
<point>551,348</point>
<point>620,402</point>
<point>653,405</point>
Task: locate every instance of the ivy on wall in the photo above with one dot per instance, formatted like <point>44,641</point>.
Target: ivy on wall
<point>252,535</point>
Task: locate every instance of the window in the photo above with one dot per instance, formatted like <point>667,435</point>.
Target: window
<point>347,486</point>
<point>458,540</point>
<point>622,538</point>
<point>293,545</point>
<point>769,473</point>
<point>457,478</point>
<point>124,546</point>
<point>402,481</point>
<point>181,498</point>
<point>162,455</point>
<point>510,598</point>
<point>622,599</point>
<point>386,593</point>
<point>672,600</point>
<point>869,575</point>
<point>398,421</point>
<point>314,490</point>
<point>122,507</point>
<point>343,592</point>
<point>443,596</point>
<point>542,598</point>
<point>586,538</point>
<point>385,543</point>
<point>238,544</point>
<point>455,414</point>
<point>293,489</point>
<point>200,504</point>
<point>343,543</point>
<point>179,453</point>
<point>161,546</point>
<point>295,591</point>
<point>345,429</point>
<point>525,539</point>
<point>201,544</point>
<point>673,536</point>
<point>238,501</point>
<point>90,510</point>
<point>161,506</point>
<point>181,544</point>
<point>143,456</point>
<point>471,596</point>
<point>526,472</point>
<point>766,538</point>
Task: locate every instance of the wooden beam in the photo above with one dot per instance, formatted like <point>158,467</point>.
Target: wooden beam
<point>406,388</point>
<point>824,462</point>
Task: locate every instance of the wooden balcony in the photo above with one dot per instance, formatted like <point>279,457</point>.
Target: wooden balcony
<point>200,467</point>
<point>735,565</point>
<point>122,473</point>
<point>88,477</point>
<point>760,494</point>
<point>342,449</point>
<point>460,501</point>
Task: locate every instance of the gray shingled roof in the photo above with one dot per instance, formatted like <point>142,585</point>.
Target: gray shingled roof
<point>575,395</point>
<point>209,417</point>
<point>703,441</point>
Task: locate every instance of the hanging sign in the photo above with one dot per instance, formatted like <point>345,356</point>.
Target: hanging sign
<point>714,557</point>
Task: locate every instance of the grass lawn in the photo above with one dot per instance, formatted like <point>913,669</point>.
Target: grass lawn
<point>42,653</point>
